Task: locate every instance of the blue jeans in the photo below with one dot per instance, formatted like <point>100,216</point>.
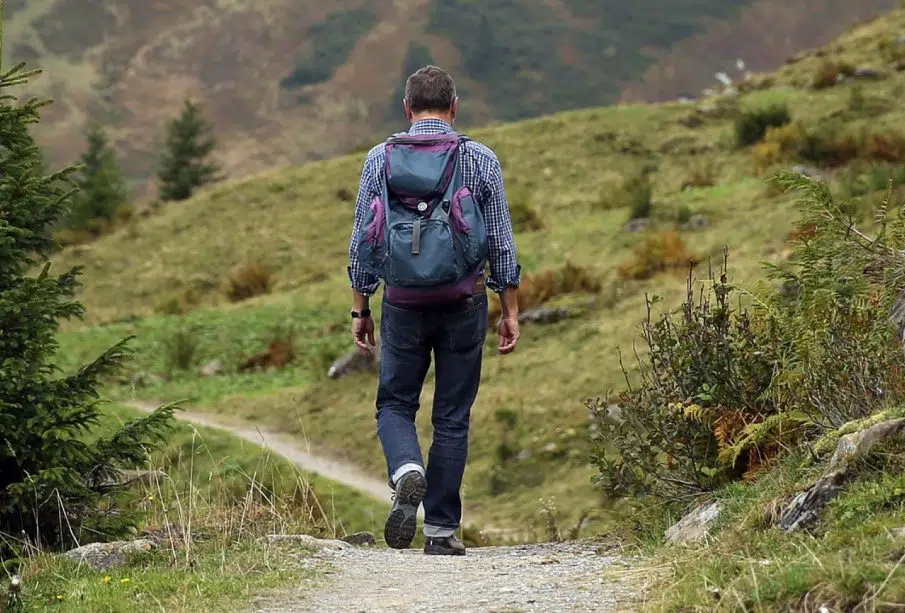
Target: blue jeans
<point>456,336</point>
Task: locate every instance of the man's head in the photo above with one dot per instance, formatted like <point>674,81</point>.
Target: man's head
<point>430,92</point>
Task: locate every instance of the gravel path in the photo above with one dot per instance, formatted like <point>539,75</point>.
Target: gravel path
<point>554,578</point>
<point>288,447</point>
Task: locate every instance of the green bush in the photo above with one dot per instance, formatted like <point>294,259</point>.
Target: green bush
<point>56,487</point>
<point>751,126</point>
<point>637,195</point>
<point>727,388</point>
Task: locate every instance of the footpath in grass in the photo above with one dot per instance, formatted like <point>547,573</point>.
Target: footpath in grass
<point>206,499</point>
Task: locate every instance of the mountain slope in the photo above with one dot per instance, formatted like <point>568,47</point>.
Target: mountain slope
<point>286,81</point>
<point>162,278</point>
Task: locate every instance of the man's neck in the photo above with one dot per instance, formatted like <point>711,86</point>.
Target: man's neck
<point>444,118</point>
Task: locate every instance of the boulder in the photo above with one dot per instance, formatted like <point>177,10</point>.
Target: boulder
<point>103,556</point>
<point>696,222</point>
<point>805,507</point>
<point>637,225</point>
<point>695,526</point>
<point>543,315</point>
<point>858,444</point>
<point>811,173</point>
<point>361,539</point>
<point>864,72</point>
<point>355,361</point>
<point>212,369</point>
<point>305,541</point>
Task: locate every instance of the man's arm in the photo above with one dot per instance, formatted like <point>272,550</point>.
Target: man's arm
<point>505,270</point>
<point>504,267</point>
<point>363,284</point>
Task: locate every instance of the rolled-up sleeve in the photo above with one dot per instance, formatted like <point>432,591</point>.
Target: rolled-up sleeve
<point>362,281</point>
<point>504,268</point>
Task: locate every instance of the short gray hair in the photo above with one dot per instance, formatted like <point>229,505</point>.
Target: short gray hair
<point>430,89</point>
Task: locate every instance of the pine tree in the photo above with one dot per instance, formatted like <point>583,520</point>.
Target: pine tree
<point>55,470</point>
<point>183,164</point>
<point>102,189</point>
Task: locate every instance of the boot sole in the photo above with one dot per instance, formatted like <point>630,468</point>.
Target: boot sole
<point>439,551</point>
<point>399,530</point>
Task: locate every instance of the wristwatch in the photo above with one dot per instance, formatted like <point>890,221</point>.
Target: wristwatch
<point>361,314</point>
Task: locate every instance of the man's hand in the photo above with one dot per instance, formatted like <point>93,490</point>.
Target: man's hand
<point>508,326</point>
<point>509,333</point>
<point>363,333</point>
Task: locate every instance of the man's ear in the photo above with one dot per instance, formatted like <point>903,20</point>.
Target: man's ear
<point>408,111</point>
<point>454,108</point>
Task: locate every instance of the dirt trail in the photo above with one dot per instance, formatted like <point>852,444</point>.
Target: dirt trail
<point>288,447</point>
<point>549,578</point>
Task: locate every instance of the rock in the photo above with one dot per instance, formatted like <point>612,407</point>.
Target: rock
<point>695,526</point>
<point>144,379</point>
<point>637,225</point>
<point>212,369</point>
<point>857,444</point>
<point>523,455</point>
<point>123,478</point>
<point>360,539</point>
<point>811,173</point>
<point>898,533</point>
<point>304,540</point>
<point>103,556</point>
<point>355,361</point>
<point>692,121</point>
<point>863,72</point>
<point>695,222</point>
<point>543,315</point>
<point>805,507</point>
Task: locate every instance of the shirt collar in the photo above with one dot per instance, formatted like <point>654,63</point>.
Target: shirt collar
<point>430,126</point>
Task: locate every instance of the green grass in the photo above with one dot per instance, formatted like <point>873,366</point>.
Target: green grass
<point>568,168</point>
<point>220,579</point>
<point>851,560</point>
<point>217,495</point>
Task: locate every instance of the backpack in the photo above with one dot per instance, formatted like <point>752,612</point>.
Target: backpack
<point>424,234</point>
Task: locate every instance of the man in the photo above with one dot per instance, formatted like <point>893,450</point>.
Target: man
<point>453,326</point>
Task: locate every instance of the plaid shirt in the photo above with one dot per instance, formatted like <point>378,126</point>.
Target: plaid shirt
<point>482,173</point>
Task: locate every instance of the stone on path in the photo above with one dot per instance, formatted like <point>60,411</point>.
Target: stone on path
<point>103,556</point>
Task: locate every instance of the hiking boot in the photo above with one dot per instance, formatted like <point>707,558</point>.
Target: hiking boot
<point>443,546</point>
<point>399,529</point>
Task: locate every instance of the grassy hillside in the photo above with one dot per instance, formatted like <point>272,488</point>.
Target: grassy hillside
<point>570,180</point>
<point>218,494</point>
<point>287,81</point>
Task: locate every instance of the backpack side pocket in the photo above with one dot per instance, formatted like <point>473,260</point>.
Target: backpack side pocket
<point>468,220</point>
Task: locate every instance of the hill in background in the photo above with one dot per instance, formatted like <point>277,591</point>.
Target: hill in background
<point>610,206</point>
<point>286,81</point>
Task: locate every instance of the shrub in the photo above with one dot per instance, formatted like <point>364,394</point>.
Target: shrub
<point>249,280</point>
<point>724,390</point>
<point>829,145</point>
<point>751,126</point>
<point>779,144</point>
<point>524,217</point>
<point>536,289</point>
<point>884,147</point>
<point>636,194</point>
<point>657,253</point>
<point>856,100</point>
<point>57,474</point>
<point>702,175</point>
<point>828,74</point>
<point>181,349</point>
